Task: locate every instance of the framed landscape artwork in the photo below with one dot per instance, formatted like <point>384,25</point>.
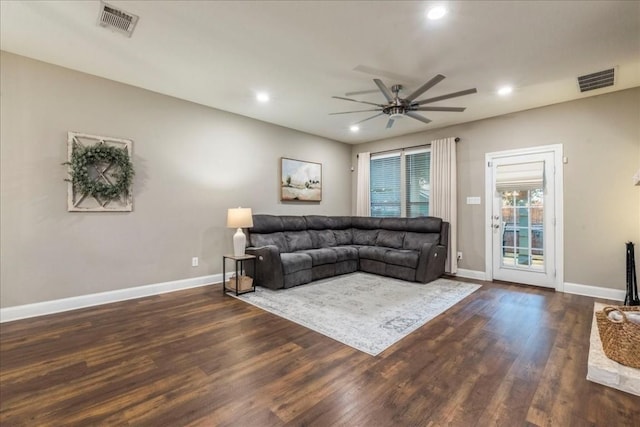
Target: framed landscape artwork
<point>300,181</point>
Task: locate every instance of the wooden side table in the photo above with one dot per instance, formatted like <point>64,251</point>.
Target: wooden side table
<point>239,270</point>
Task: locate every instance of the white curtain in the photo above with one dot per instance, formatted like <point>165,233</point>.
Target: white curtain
<point>443,198</point>
<point>363,195</point>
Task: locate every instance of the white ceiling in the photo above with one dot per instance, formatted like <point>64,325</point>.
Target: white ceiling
<point>220,54</point>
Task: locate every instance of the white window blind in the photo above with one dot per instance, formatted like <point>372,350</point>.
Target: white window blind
<point>385,185</point>
<point>399,183</point>
<point>417,168</point>
<point>520,176</point>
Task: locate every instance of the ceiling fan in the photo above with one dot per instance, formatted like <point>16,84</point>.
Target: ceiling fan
<point>397,107</point>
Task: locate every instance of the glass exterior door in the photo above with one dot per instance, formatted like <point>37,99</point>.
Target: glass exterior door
<point>523,227</point>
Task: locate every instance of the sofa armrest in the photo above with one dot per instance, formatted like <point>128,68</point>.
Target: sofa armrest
<point>431,263</point>
<point>268,266</point>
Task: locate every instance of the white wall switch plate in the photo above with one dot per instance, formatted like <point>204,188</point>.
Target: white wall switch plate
<point>194,261</point>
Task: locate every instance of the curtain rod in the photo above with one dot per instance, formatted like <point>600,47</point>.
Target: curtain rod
<point>406,148</point>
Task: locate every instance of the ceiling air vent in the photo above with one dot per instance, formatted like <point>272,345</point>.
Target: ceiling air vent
<point>597,80</point>
<point>117,19</point>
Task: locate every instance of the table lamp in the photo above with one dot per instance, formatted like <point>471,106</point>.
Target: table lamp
<point>239,218</point>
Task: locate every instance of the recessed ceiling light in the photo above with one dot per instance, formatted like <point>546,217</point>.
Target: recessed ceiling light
<point>505,90</point>
<point>262,97</point>
<point>436,13</point>
<point>354,128</point>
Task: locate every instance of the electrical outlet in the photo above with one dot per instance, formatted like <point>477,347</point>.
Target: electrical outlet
<point>194,261</point>
<point>459,255</point>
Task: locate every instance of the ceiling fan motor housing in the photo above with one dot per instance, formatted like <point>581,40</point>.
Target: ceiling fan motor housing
<point>395,112</point>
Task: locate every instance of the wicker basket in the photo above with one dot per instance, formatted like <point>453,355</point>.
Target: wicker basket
<point>620,339</point>
<point>245,283</point>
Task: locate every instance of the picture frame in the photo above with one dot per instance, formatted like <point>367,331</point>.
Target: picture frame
<point>300,181</point>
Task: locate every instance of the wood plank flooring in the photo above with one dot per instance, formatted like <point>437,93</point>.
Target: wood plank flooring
<point>507,355</point>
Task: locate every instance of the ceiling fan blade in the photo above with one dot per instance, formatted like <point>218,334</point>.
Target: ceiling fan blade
<point>389,123</point>
<point>447,96</point>
<point>361,92</point>
<point>452,109</point>
<point>349,112</point>
<point>355,100</point>
<point>384,89</point>
<point>428,85</point>
<point>369,118</point>
<point>417,117</point>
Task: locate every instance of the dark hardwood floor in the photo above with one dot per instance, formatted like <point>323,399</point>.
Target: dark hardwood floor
<point>506,355</point>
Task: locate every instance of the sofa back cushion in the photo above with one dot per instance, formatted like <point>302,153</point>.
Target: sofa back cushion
<point>364,237</point>
<point>266,224</point>
<point>424,224</point>
<point>257,240</point>
<point>390,239</point>
<point>343,237</point>
<point>319,222</point>
<point>322,238</point>
<point>293,223</point>
<point>415,241</point>
<point>342,222</point>
<point>365,222</point>
<point>298,240</point>
<point>395,224</point>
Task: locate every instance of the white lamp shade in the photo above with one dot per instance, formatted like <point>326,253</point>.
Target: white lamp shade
<point>239,218</point>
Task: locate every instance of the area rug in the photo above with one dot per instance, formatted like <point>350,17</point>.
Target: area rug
<point>364,311</point>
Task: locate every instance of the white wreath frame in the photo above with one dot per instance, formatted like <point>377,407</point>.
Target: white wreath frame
<point>80,202</point>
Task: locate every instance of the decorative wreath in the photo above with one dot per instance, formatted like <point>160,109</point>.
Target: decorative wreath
<point>104,158</point>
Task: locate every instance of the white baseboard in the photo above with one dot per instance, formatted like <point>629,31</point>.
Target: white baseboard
<point>594,291</point>
<point>569,288</point>
<point>470,274</point>
<point>8,314</point>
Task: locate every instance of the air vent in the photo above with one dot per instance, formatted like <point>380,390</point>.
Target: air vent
<point>117,19</point>
<point>597,80</point>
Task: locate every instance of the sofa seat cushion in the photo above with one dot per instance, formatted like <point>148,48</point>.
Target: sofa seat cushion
<point>320,256</point>
<point>292,262</point>
<point>404,258</point>
<point>374,253</point>
<point>345,253</point>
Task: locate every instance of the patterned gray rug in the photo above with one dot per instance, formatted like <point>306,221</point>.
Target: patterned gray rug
<point>364,311</point>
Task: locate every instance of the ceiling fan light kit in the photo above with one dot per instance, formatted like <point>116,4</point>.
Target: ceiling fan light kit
<point>397,107</point>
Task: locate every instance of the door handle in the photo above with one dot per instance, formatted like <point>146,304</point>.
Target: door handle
<point>496,226</point>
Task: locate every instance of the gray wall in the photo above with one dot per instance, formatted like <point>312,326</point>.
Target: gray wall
<point>192,164</point>
<point>601,138</point>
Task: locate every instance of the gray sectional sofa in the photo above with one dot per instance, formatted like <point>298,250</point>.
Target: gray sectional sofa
<point>294,250</point>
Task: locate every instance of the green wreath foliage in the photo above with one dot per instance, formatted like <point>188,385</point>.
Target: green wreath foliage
<point>121,171</point>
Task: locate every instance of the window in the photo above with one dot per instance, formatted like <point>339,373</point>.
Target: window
<point>385,185</point>
<point>418,166</point>
<point>400,183</point>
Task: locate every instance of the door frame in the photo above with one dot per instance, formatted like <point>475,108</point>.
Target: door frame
<point>558,160</point>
